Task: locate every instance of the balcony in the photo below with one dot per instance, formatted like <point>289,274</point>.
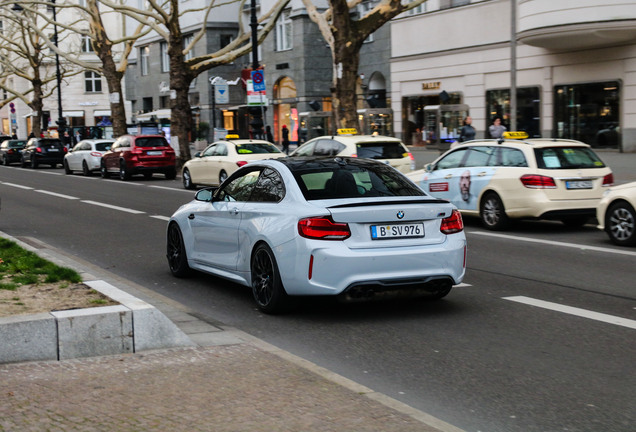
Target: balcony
<point>583,24</point>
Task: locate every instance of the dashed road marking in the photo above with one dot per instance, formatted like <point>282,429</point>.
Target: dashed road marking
<point>55,194</point>
<point>113,207</point>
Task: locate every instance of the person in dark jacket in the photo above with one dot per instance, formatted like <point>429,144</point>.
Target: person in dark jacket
<point>467,131</point>
<point>285,132</point>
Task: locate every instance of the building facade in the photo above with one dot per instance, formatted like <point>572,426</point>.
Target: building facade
<point>573,65</point>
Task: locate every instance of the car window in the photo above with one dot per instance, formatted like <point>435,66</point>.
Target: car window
<point>349,181</point>
<point>480,156</point>
<point>512,157</point>
<point>567,157</point>
<point>451,160</point>
<point>327,147</point>
<point>86,146</point>
<point>221,150</point>
<point>253,148</point>
<point>269,188</point>
<point>103,146</point>
<point>151,142</point>
<point>306,149</point>
<point>209,151</point>
<point>240,188</point>
<point>381,150</point>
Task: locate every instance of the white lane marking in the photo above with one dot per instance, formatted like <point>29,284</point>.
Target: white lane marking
<point>51,173</point>
<point>163,218</point>
<point>556,243</point>
<point>124,182</point>
<point>173,189</point>
<point>124,209</point>
<point>17,186</point>
<point>55,194</point>
<point>584,313</point>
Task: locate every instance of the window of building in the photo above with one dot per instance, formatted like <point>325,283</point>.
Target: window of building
<point>165,58</point>
<point>87,44</point>
<point>284,32</point>
<point>147,104</point>
<point>187,40</point>
<point>225,40</point>
<point>447,4</point>
<point>164,101</point>
<point>419,9</point>
<point>92,82</point>
<point>363,9</point>
<point>588,112</point>
<point>144,54</point>
<point>528,112</point>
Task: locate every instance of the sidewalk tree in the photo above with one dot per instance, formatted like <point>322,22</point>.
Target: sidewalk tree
<point>165,19</point>
<point>344,31</point>
<point>25,56</point>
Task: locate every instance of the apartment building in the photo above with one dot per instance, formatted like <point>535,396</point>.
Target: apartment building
<point>573,66</point>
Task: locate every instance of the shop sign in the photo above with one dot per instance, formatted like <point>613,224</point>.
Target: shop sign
<point>433,85</point>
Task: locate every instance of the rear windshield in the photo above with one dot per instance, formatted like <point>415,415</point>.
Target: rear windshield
<point>17,144</point>
<point>567,157</point>
<point>103,146</point>
<point>336,181</point>
<point>251,148</point>
<point>50,142</point>
<point>381,150</point>
<point>151,142</point>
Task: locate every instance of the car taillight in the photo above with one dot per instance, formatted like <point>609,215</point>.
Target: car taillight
<point>38,150</point>
<point>410,155</point>
<point>452,224</point>
<point>323,228</point>
<point>608,180</point>
<point>137,151</point>
<point>10,151</point>
<point>241,163</point>
<point>535,181</point>
<point>65,149</point>
<point>354,155</point>
<point>96,154</point>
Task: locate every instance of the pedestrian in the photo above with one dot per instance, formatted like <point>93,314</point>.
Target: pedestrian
<point>285,132</point>
<point>31,135</point>
<point>467,132</point>
<point>66,140</point>
<point>78,136</point>
<point>496,129</point>
<point>268,134</point>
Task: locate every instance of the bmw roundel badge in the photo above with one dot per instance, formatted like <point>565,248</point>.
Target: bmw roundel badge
<point>400,214</point>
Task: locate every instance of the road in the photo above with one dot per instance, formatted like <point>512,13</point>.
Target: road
<point>540,338</point>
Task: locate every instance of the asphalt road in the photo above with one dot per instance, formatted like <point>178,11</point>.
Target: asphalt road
<point>540,338</point>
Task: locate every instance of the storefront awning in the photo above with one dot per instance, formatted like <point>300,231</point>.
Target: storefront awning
<point>101,113</point>
<point>73,113</point>
<point>159,114</point>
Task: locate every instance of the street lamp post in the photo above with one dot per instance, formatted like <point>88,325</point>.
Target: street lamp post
<point>61,121</point>
<point>257,113</point>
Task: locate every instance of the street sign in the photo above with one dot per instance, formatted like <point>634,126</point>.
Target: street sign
<point>221,93</point>
<point>255,97</point>
<point>258,80</point>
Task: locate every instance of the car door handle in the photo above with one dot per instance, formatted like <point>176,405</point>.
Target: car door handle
<point>448,176</point>
<point>191,216</point>
<point>481,174</point>
<point>234,211</point>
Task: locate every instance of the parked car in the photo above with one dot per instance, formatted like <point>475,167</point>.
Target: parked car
<point>220,159</point>
<point>500,180</point>
<point>616,214</point>
<point>385,149</point>
<point>347,227</point>
<point>11,151</point>
<point>86,156</point>
<point>139,154</point>
<point>47,151</point>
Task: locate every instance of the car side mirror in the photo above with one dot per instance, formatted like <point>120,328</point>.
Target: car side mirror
<point>205,195</point>
<point>429,167</point>
<point>197,155</point>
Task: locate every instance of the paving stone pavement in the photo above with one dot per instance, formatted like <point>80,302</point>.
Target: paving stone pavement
<point>237,387</point>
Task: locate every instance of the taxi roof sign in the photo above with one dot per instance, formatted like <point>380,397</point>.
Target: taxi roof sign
<point>515,135</point>
<point>347,131</point>
<point>231,136</point>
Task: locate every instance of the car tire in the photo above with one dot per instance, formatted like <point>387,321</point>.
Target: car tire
<point>85,170</point>
<point>222,177</point>
<point>5,161</point>
<point>148,175</point>
<point>620,224</point>
<point>171,174</point>
<point>187,180</point>
<point>23,163</point>
<point>34,163</point>
<point>176,253</point>
<point>492,212</point>
<point>103,171</point>
<point>67,169</point>
<point>267,287</point>
<point>124,174</point>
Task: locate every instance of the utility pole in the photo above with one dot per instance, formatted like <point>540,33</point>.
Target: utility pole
<point>513,65</point>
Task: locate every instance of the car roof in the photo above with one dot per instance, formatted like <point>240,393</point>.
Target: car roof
<point>297,162</point>
<point>97,140</point>
<point>356,139</point>
<point>243,141</point>
<point>530,142</point>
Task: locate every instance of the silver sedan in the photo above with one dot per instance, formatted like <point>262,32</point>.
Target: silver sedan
<point>344,227</point>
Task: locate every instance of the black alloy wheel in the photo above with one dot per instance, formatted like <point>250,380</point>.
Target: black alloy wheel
<point>5,161</point>
<point>492,212</point>
<point>267,288</point>
<point>124,174</point>
<point>176,253</point>
<point>23,163</point>
<point>67,169</point>
<point>620,224</point>
<point>103,171</point>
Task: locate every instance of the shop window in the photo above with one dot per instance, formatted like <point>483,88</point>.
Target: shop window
<point>528,114</point>
<point>588,113</point>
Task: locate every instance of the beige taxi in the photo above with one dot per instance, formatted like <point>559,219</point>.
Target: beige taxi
<point>385,149</point>
<point>500,180</point>
<point>220,159</point>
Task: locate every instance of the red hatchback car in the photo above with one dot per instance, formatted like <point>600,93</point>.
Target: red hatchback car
<point>139,154</point>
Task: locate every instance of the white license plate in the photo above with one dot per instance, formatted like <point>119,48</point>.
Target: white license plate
<point>154,153</point>
<point>53,150</point>
<point>578,184</point>
<point>379,232</point>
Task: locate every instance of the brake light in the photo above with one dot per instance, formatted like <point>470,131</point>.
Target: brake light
<point>608,180</point>
<point>323,228</point>
<point>354,155</point>
<point>241,163</point>
<point>65,149</point>
<point>410,155</point>
<point>137,151</point>
<point>10,151</point>
<point>96,154</point>
<point>535,181</point>
<point>452,224</point>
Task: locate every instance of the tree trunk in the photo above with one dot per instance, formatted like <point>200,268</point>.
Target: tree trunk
<point>180,79</point>
<point>37,105</point>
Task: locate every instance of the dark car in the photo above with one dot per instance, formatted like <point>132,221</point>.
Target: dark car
<point>11,151</point>
<point>48,151</point>
<point>141,154</point>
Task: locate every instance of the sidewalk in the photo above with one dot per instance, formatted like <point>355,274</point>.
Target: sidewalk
<point>229,381</point>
